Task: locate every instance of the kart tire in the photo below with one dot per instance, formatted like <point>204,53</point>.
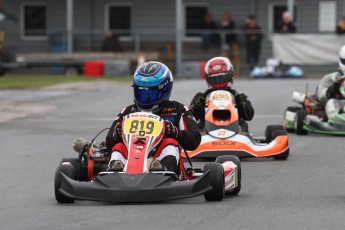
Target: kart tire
<point>80,175</point>
<point>69,171</point>
<point>283,155</point>
<point>236,160</point>
<point>269,131</point>
<point>300,116</point>
<point>216,179</point>
<point>293,109</point>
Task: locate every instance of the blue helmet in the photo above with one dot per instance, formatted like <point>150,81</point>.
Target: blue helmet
<point>152,83</point>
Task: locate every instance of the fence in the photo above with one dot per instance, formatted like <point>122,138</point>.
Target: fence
<point>162,42</point>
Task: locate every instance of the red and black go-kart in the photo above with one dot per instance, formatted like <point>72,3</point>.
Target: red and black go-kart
<point>86,178</point>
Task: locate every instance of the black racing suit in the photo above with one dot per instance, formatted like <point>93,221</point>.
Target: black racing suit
<point>189,136</point>
<point>243,105</point>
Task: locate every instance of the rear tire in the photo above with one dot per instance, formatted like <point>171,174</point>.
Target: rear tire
<point>300,116</point>
<point>236,160</point>
<point>292,109</point>
<point>269,131</point>
<point>216,179</point>
<point>284,155</point>
<point>68,170</point>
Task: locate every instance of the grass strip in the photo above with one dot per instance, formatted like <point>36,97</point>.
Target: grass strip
<point>39,81</point>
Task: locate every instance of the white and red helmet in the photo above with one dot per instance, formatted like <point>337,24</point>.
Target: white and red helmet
<point>219,72</point>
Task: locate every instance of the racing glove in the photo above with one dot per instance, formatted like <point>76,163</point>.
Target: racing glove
<point>245,109</point>
<point>171,130</point>
<point>199,103</point>
<point>333,90</point>
<point>118,132</point>
<point>240,99</point>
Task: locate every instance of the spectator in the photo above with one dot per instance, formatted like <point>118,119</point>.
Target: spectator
<point>228,24</point>
<point>207,36</point>
<point>286,25</point>
<point>231,48</point>
<point>253,39</point>
<point>341,26</point>
<point>111,43</point>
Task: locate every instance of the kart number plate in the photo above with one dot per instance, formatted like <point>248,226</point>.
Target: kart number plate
<point>220,96</point>
<point>150,127</point>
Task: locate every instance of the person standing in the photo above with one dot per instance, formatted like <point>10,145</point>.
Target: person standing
<point>228,24</point>
<point>111,43</point>
<point>341,26</point>
<point>253,37</point>
<point>231,48</point>
<point>286,25</point>
<point>208,37</point>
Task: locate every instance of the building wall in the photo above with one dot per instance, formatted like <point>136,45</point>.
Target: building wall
<point>154,19</point>
<point>308,22</point>
<point>13,39</point>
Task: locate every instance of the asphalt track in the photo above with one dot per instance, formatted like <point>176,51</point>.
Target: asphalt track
<point>305,192</point>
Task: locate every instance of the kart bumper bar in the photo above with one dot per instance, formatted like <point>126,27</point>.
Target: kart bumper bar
<point>317,126</point>
<point>122,187</point>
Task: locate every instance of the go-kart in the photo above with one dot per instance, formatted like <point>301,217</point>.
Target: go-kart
<point>223,135</point>
<point>87,177</point>
<point>309,116</point>
<point>276,69</point>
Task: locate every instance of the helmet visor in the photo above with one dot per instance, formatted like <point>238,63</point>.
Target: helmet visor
<point>342,60</point>
<point>146,97</point>
<point>219,78</point>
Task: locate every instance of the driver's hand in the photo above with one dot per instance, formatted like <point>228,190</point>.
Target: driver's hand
<point>171,130</point>
<point>333,90</point>
<point>241,99</point>
<point>118,132</point>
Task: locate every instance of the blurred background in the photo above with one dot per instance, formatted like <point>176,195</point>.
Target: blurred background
<point>110,37</point>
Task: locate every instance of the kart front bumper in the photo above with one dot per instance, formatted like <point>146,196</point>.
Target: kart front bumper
<point>122,187</point>
<point>314,124</point>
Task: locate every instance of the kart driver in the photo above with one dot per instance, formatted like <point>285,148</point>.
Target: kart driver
<point>331,92</point>
<point>152,85</point>
<point>219,76</point>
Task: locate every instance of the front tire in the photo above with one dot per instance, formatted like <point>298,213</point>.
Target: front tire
<point>300,116</point>
<point>68,170</point>
<point>269,132</point>
<point>236,160</point>
<point>216,179</point>
<point>289,124</point>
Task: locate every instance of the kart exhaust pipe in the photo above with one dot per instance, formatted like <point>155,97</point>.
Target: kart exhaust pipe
<point>298,97</point>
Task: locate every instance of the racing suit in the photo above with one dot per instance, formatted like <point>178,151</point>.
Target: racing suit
<point>243,105</point>
<point>167,152</point>
<point>328,93</point>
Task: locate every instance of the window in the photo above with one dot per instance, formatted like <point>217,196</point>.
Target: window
<point>278,10</point>
<point>34,20</point>
<point>119,18</point>
<point>194,18</point>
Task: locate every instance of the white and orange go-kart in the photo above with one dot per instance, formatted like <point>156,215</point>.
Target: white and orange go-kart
<point>223,135</point>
